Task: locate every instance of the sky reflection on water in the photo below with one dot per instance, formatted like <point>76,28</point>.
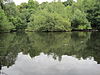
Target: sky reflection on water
<point>46,65</point>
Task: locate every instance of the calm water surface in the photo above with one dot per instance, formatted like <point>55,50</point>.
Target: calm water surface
<point>76,53</point>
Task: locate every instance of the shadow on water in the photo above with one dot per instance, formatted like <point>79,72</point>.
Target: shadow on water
<point>78,44</point>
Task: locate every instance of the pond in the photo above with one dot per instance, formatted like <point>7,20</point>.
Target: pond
<point>65,53</point>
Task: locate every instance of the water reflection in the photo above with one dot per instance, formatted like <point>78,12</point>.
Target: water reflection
<point>46,65</point>
<point>84,47</point>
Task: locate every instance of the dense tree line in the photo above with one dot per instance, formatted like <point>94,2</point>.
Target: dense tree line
<point>54,16</point>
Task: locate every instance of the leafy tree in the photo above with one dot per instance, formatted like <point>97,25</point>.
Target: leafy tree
<point>53,16</point>
<point>26,9</point>
<point>92,9</point>
<point>11,10</point>
<point>79,20</point>
<point>50,18</point>
<point>77,17</point>
<point>15,16</point>
<point>93,14</point>
<point>5,25</point>
<point>33,4</point>
<point>24,14</point>
<point>46,21</point>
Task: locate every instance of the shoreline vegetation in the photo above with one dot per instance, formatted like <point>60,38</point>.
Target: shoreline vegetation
<point>56,16</point>
<point>85,30</point>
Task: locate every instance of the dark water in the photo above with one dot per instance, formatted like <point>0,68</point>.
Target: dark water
<point>76,53</point>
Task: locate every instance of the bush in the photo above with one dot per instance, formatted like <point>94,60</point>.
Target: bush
<point>46,21</point>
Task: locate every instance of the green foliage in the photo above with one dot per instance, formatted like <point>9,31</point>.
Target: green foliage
<point>93,14</point>
<point>79,20</point>
<point>68,2</point>
<point>92,9</point>
<point>11,10</point>
<point>77,17</point>
<point>18,23</point>
<point>32,4</point>
<point>49,19</point>
<point>48,22</point>
<point>24,14</point>
<point>1,4</point>
<point>53,16</point>
<point>15,16</point>
<point>5,25</point>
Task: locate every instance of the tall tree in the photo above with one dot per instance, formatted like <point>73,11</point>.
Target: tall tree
<point>92,9</point>
<point>5,25</point>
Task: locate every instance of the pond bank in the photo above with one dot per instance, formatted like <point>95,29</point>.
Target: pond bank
<point>75,30</point>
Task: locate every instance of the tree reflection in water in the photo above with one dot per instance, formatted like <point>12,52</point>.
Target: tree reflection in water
<point>78,44</point>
